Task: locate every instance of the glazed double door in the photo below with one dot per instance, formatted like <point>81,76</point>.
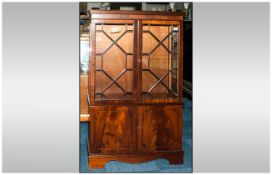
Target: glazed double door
<point>135,61</point>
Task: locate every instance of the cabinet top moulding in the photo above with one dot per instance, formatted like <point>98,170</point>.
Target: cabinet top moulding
<point>134,15</point>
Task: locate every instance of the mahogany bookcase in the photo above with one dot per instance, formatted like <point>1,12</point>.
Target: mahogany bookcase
<point>135,86</point>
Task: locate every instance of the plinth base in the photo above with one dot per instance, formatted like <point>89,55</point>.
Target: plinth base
<point>99,161</point>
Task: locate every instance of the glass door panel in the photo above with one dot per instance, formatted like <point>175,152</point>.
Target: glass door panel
<point>114,62</point>
<point>160,60</point>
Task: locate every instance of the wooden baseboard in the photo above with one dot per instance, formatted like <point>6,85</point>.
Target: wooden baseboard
<point>99,161</point>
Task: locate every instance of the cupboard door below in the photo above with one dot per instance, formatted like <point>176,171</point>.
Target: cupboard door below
<point>160,128</point>
<point>112,130</point>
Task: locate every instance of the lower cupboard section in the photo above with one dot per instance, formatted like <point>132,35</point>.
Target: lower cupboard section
<point>140,133</point>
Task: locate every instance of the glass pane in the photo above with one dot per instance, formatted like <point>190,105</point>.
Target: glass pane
<point>114,62</point>
<point>98,62</point>
<point>129,61</point>
<point>160,61</point>
<point>127,46</point>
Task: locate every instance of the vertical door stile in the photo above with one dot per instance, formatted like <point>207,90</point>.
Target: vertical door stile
<point>135,62</point>
<point>139,58</point>
<point>92,62</point>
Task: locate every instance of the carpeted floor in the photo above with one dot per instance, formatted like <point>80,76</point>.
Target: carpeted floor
<point>155,166</point>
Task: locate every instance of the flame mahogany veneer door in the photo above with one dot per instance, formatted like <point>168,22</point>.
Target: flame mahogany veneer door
<point>160,128</point>
<point>113,130</point>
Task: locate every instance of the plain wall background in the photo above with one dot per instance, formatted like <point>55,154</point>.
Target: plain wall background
<point>231,87</point>
<point>40,87</point>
